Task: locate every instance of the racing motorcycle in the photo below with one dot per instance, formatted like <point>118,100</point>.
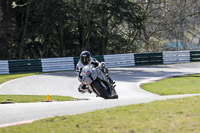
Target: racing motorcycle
<point>96,80</point>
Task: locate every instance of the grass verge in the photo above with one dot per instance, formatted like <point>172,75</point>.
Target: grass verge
<point>177,115</point>
<point>188,84</point>
<point>7,77</point>
<point>32,98</point>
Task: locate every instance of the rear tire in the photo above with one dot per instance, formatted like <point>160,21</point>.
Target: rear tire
<point>101,90</point>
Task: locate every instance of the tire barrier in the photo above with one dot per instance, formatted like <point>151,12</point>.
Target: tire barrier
<point>194,56</point>
<point>25,66</point>
<point>148,59</point>
<point>116,60</point>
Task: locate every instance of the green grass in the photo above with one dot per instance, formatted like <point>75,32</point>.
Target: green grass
<point>177,116</point>
<point>188,84</point>
<point>32,98</point>
<point>7,77</point>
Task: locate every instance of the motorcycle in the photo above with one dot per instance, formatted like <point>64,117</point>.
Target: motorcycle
<point>98,83</point>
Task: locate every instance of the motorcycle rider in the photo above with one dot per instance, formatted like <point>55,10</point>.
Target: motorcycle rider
<point>86,59</point>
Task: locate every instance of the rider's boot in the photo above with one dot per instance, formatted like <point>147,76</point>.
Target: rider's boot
<point>83,88</point>
<point>109,78</point>
<point>105,71</point>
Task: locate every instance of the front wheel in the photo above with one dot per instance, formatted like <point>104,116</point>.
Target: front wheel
<point>101,91</point>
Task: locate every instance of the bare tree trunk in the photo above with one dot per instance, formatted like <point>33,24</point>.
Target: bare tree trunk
<point>22,43</point>
<point>105,35</point>
<point>176,34</point>
<point>88,34</point>
<point>87,39</point>
<point>61,51</point>
<point>134,34</point>
<point>84,34</point>
<point>5,7</point>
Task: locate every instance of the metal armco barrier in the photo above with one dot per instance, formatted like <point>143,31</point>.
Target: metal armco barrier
<point>170,57</point>
<point>4,69</point>
<point>57,64</point>
<point>116,60</point>
<point>119,60</point>
<point>148,59</point>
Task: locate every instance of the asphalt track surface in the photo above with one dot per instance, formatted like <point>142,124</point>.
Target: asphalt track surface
<point>128,81</point>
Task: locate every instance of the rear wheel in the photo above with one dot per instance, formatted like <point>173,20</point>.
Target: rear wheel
<point>101,90</point>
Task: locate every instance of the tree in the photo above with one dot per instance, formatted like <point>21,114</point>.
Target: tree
<point>168,20</point>
<point>5,20</point>
<point>56,28</point>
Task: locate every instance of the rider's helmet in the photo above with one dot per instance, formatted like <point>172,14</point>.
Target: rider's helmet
<point>85,57</point>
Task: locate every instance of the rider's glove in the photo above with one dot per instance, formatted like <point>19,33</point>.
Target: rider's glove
<point>102,65</point>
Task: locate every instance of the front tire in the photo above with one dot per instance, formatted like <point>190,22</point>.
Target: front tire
<point>101,90</point>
